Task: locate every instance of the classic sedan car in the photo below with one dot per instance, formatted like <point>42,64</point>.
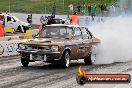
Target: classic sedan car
<point>59,43</point>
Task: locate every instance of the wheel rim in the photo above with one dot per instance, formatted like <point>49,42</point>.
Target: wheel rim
<point>67,60</point>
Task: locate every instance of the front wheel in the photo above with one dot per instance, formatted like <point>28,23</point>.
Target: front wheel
<point>24,62</point>
<point>65,60</point>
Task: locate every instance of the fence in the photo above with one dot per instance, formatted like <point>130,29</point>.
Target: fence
<point>40,6</point>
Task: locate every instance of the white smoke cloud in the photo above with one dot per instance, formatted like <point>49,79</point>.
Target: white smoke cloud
<point>116,40</point>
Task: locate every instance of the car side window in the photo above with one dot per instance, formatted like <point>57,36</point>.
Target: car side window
<point>62,31</point>
<point>77,34</point>
<point>8,18</point>
<point>85,33</point>
<point>69,31</point>
<point>66,31</point>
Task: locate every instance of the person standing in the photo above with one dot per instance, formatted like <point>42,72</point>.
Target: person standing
<point>44,20</point>
<point>93,12</point>
<point>71,8</point>
<point>53,10</point>
<point>50,20</point>
<point>105,10</point>
<point>79,8</point>
<point>31,16</point>
<point>29,19</point>
<point>89,9</point>
<point>84,9</point>
<point>74,19</point>
<point>102,9</point>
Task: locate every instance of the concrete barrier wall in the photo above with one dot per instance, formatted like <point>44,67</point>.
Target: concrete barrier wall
<point>9,44</point>
<point>9,48</point>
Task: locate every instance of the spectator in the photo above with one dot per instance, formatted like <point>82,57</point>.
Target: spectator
<point>84,9</point>
<point>89,10</point>
<point>74,19</point>
<point>105,10</point>
<point>43,19</point>
<point>71,8</point>
<point>6,12</point>
<point>102,9</point>
<point>50,20</point>
<point>29,19</point>
<point>105,7</point>
<point>93,11</point>
<point>53,10</point>
<point>31,16</point>
<point>79,8</point>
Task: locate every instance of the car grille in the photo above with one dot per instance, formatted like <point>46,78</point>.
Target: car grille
<point>43,48</point>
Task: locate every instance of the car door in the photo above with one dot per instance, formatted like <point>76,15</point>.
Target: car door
<point>10,22</point>
<point>15,23</point>
<point>87,41</point>
<point>77,40</point>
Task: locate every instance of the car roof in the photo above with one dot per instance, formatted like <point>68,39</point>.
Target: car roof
<point>64,25</point>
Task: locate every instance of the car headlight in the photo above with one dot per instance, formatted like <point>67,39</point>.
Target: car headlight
<point>54,48</point>
<point>21,46</point>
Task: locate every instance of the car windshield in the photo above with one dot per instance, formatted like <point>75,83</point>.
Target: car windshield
<point>15,18</point>
<point>55,32</point>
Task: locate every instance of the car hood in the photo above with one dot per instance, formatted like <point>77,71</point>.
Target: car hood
<point>46,41</point>
<point>24,23</point>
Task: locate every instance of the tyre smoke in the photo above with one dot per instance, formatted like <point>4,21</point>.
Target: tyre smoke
<point>116,40</point>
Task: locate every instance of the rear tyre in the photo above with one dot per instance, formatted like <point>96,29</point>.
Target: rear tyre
<point>24,62</point>
<point>65,60</point>
<point>20,29</point>
<point>88,60</point>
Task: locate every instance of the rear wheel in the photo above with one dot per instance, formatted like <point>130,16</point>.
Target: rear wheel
<point>65,60</point>
<point>20,29</point>
<point>24,62</point>
<point>88,60</point>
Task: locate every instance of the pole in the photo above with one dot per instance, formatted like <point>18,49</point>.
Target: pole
<point>9,5</point>
<point>63,5</point>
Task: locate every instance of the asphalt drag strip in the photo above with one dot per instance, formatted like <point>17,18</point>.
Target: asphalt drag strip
<point>43,75</point>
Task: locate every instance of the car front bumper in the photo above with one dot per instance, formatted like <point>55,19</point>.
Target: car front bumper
<point>40,55</point>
